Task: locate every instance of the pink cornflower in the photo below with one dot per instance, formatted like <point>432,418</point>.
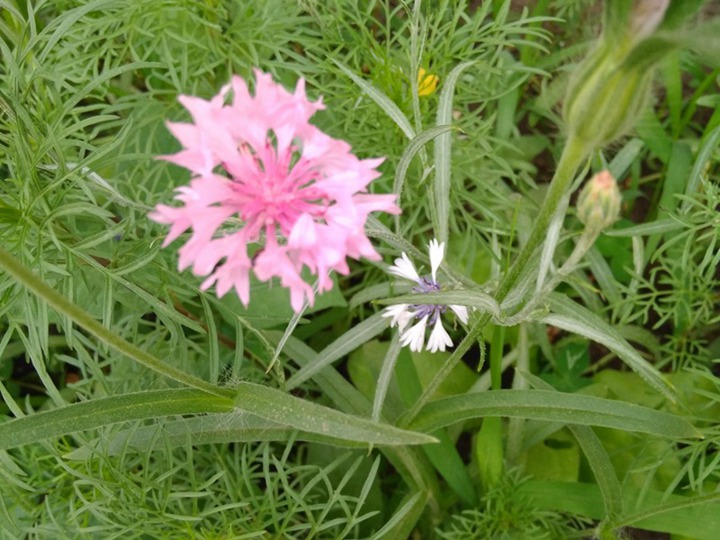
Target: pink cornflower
<point>291,188</point>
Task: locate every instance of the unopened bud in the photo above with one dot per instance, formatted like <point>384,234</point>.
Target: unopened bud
<point>427,83</point>
<point>605,97</point>
<point>599,203</point>
<point>646,16</point>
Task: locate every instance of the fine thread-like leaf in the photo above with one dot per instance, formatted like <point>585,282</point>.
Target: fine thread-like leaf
<point>23,275</point>
<point>384,102</point>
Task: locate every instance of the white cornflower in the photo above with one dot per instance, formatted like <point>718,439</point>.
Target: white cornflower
<point>425,314</point>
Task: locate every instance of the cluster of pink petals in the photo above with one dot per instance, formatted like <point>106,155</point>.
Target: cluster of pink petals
<point>266,175</point>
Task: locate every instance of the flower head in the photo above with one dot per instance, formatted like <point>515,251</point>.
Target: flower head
<point>425,314</point>
<point>427,83</point>
<point>297,192</point>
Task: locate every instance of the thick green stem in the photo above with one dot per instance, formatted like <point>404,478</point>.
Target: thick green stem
<point>62,305</point>
<point>573,155</point>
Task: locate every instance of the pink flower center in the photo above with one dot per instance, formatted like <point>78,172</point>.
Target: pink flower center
<point>275,190</point>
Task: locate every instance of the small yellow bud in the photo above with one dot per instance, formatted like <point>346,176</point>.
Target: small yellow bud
<point>598,206</point>
<point>426,83</point>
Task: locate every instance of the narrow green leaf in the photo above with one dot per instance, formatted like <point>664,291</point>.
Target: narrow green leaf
<point>384,102</point>
<point>75,313</point>
<point>220,428</point>
<point>349,341</point>
<point>101,412</point>
<point>571,316</point>
<point>309,417</point>
<point>409,153</point>
<point>444,456</point>
<point>706,152</point>
<point>645,229</point>
<point>552,407</point>
<point>625,157</point>
<point>442,154</point>
<point>687,505</point>
<point>693,517</point>
<point>597,457</point>
<point>476,299</point>
<point>405,518</point>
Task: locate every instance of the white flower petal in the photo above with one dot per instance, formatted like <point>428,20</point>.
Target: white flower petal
<point>461,312</point>
<point>404,267</point>
<point>439,338</point>
<point>415,336</point>
<point>437,252</point>
<point>400,314</point>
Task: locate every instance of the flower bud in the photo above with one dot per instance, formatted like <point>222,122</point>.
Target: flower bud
<point>427,83</point>
<point>598,206</point>
<point>646,16</point>
<point>605,96</point>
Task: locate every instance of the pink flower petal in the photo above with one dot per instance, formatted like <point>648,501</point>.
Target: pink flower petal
<point>282,176</point>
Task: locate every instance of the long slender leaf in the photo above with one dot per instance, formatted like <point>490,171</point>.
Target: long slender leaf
<point>693,517</point>
<point>101,412</point>
<point>706,152</point>
<point>475,299</point>
<point>303,415</point>
<point>553,407</point>
<point>75,313</point>
<point>236,426</point>
<point>346,343</point>
<point>654,227</point>
<point>409,153</point>
<point>405,518</point>
<point>597,457</point>
<point>384,102</point>
<point>570,316</point>
<point>442,154</point>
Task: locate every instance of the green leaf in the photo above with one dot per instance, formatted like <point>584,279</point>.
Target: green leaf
<point>221,428</point>
<point>443,154</point>
<point>101,412</point>
<point>282,408</point>
<point>598,459</point>
<point>706,152</point>
<point>552,407</point>
<point>384,102</point>
<point>75,313</point>
<point>444,457</point>
<point>347,342</point>
<point>475,299</point>
<point>694,517</point>
<point>646,229</point>
<point>403,521</point>
<point>409,153</point>
<point>570,316</point>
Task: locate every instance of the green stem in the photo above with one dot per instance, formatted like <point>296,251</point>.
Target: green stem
<point>574,153</point>
<point>75,313</point>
